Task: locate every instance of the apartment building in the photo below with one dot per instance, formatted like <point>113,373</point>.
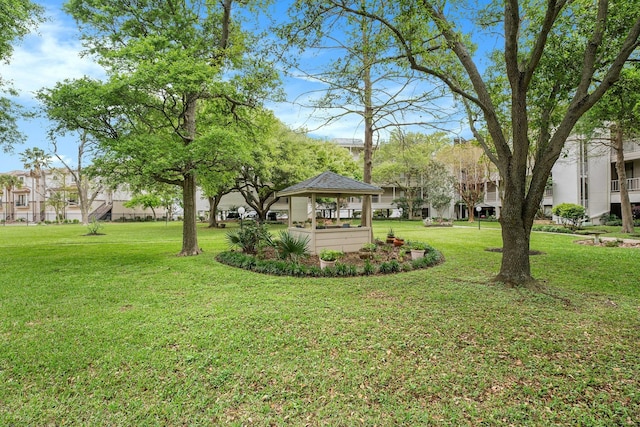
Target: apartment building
<point>586,175</point>
<point>53,196</point>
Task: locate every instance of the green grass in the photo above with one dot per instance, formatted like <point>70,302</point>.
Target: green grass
<point>117,330</point>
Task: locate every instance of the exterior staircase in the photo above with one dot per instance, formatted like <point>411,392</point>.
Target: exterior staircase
<point>102,212</point>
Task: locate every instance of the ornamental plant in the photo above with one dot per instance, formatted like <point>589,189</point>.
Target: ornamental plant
<point>330,254</point>
<point>572,214</point>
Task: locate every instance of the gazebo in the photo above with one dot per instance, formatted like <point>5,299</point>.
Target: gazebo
<point>339,236</point>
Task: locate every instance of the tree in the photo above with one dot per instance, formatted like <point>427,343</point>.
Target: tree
<point>156,196</point>
<point>61,193</point>
<point>179,81</point>
<point>35,159</point>
<point>17,19</point>
<point>74,106</point>
<point>471,170</point>
<point>619,109</point>
<point>215,186</point>
<point>362,77</point>
<point>146,201</point>
<point>9,183</point>
<point>406,161</point>
<point>281,158</point>
<point>559,58</point>
<point>77,107</point>
<point>439,187</point>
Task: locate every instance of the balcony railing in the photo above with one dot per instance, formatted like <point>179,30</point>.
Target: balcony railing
<point>633,184</point>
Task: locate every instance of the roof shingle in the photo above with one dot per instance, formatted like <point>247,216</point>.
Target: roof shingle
<point>330,183</point>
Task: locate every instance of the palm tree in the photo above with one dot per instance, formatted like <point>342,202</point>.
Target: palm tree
<point>35,159</point>
<point>9,182</point>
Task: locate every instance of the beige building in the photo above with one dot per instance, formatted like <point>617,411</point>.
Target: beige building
<point>53,196</point>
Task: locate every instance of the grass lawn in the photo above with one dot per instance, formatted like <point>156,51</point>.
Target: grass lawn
<point>117,330</point>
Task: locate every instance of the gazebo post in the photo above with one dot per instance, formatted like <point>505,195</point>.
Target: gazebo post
<point>313,211</point>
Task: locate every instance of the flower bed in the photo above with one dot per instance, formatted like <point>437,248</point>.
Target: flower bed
<point>388,259</point>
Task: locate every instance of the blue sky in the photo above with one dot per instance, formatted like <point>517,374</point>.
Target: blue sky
<point>52,54</point>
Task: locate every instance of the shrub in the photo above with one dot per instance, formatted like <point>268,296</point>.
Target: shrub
<point>341,269</point>
<point>94,227</point>
<point>608,217</point>
<point>392,266</point>
<point>551,229</point>
<point>384,268</point>
<point>369,247</point>
<point>251,238</point>
<point>291,246</point>
<point>286,268</point>
<point>368,268</point>
<point>572,214</point>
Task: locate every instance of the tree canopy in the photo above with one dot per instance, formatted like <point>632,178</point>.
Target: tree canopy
<point>180,86</point>
<point>407,161</point>
<point>556,59</point>
<point>281,158</point>
<point>17,19</point>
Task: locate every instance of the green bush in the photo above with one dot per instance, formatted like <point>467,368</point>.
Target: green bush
<point>551,229</point>
<point>251,238</point>
<point>291,247</point>
<point>286,268</point>
<point>94,227</point>
<point>572,214</point>
<point>368,268</point>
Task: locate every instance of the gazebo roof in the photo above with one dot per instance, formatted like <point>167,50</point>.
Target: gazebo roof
<point>330,184</point>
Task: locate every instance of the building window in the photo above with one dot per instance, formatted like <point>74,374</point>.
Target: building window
<point>22,200</point>
<point>375,198</point>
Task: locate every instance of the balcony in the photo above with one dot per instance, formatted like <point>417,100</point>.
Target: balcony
<point>633,184</point>
<point>631,150</point>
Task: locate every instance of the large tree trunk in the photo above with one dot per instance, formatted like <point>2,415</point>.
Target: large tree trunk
<point>625,203</point>
<point>213,210</point>
<point>516,220</point>
<point>38,217</point>
<point>84,204</point>
<point>515,269</point>
<point>189,224</point>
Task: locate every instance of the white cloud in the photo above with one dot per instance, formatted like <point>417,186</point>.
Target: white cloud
<point>57,163</point>
<point>48,56</point>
